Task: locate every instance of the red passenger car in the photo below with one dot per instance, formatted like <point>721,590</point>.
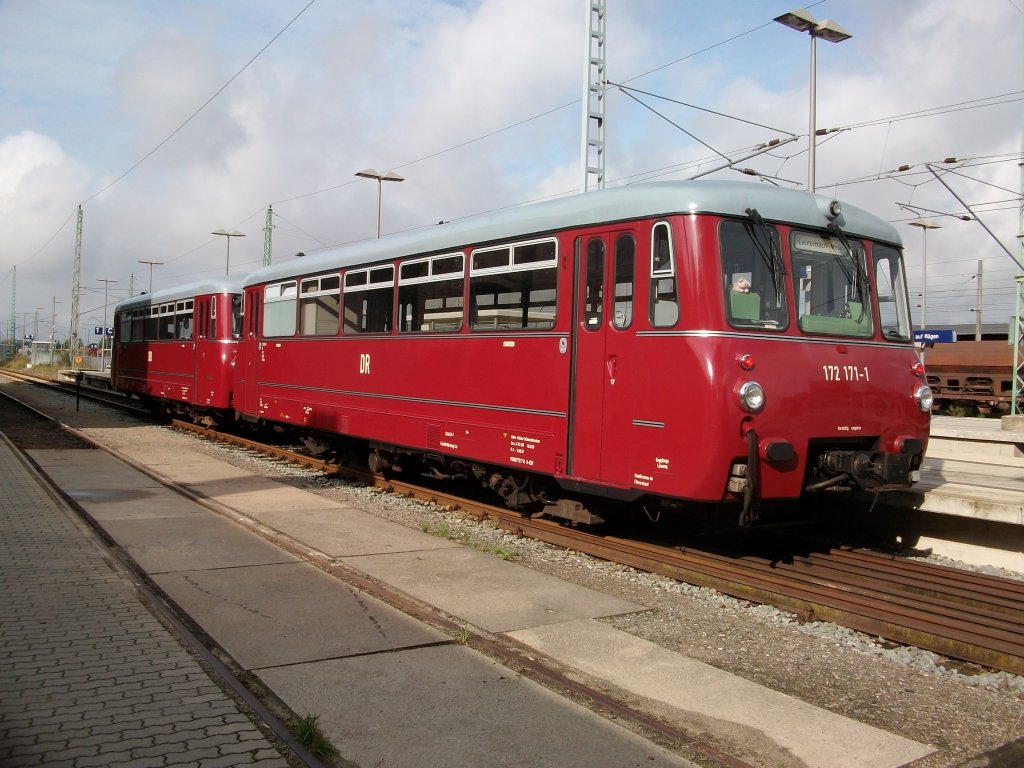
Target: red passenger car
<point>660,343</point>
<point>176,348</point>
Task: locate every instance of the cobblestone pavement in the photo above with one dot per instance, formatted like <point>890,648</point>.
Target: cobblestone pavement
<point>88,676</point>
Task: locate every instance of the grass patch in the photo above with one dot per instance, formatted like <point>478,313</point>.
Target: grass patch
<point>307,732</point>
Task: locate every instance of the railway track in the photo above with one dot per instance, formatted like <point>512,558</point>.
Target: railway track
<point>963,615</point>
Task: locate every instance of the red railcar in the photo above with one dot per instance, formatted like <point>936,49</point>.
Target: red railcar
<point>660,343</point>
<point>176,348</point>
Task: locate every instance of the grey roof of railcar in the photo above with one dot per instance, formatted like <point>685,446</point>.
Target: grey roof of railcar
<point>226,284</point>
<point>730,198</point>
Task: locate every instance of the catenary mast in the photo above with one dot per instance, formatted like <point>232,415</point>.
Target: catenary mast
<point>594,83</point>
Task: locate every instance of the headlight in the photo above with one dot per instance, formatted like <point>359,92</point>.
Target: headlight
<point>925,398</point>
<point>751,396</point>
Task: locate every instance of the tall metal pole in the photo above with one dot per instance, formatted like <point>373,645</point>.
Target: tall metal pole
<point>803,21</point>
<point>14,295</point>
<point>268,231</point>
<point>370,173</point>
<point>103,339</point>
<point>977,311</point>
<point>53,328</point>
<point>228,235</point>
<point>595,81</point>
<point>812,128</point>
<point>925,225</point>
<point>76,279</point>
<point>151,265</point>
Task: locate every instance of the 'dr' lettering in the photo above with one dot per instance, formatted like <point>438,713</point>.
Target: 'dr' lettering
<point>364,364</point>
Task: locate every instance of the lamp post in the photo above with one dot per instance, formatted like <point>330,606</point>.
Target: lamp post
<point>370,173</point>
<point>103,338</point>
<point>228,235</point>
<point>151,265</point>
<point>803,21</point>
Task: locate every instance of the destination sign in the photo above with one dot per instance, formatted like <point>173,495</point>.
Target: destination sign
<point>935,336</point>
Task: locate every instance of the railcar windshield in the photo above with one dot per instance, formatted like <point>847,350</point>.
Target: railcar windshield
<point>753,275</point>
<point>891,287</point>
<point>831,287</point>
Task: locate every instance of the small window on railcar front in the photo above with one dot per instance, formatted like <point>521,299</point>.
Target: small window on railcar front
<point>664,296</point>
<point>753,275</point>
<point>514,287</point>
<point>891,287</point>
<point>831,285</point>
<point>279,309</point>
<point>430,292</point>
<point>320,306</point>
<point>369,300</point>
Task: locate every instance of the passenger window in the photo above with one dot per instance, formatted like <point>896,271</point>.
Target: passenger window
<point>430,294</point>
<point>183,320</point>
<point>514,286</point>
<point>664,299</point>
<point>625,263</point>
<point>369,300</point>
<point>280,303</point>
<point>753,275</point>
<point>593,290</point>
<point>319,313</point>
<point>166,322</point>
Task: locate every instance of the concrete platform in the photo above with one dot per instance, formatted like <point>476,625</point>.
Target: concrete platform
<point>391,690</point>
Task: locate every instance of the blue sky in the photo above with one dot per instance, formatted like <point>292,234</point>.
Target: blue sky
<point>89,87</point>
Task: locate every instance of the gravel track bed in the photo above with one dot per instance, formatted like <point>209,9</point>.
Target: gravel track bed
<point>962,712</point>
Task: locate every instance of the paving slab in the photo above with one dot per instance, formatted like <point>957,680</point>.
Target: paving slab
<point>725,706</point>
<point>285,614</point>
<point>90,470</point>
<point>448,706</point>
<point>345,531</point>
<point>486,592</point>
<point>187,542</point>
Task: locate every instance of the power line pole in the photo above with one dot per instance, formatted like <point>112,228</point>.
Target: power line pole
<point>595,82</point>
<point>268,230</point>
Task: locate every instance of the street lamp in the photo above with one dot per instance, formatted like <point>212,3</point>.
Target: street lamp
<point>370,173</point>
<point>151,264</point>
<point>803,21</point>
<point>103,339</point>
<point>228,235</point>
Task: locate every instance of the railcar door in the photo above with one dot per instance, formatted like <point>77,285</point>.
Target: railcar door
<point>246,394</point>
<point>603,311</point>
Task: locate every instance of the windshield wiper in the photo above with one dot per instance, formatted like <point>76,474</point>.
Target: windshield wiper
<point>772,258</point>
<point>862,285</point>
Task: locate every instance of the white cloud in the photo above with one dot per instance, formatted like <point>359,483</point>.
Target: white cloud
<point>352,85</point>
